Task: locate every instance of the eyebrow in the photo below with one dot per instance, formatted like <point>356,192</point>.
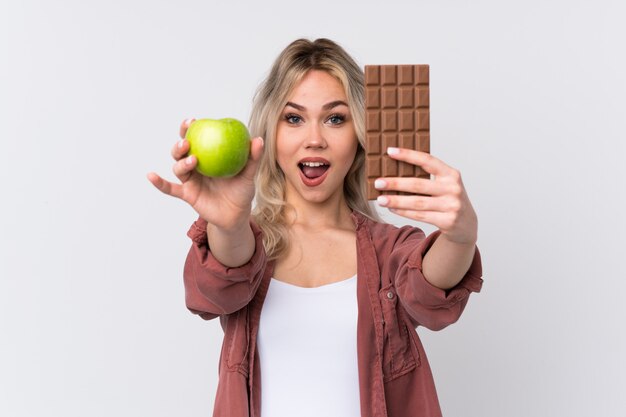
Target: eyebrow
<point>326,106</point>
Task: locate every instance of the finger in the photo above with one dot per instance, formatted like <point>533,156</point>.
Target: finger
<point>180,149</point>
<point>425,160</point>
<point>412,202</point>
<point>184,126</point>
<point>256,152</point>
<point>410,185</point>
<point>436,218</point>
<point>256,148</point>
<point>166,187</point>
<point>183,168</point>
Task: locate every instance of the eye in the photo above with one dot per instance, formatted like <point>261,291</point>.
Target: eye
<point>293,119</point>
<point>337,119</point>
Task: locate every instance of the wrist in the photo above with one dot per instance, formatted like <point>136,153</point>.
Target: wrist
<point>464,241</point>
<point>232,230</point>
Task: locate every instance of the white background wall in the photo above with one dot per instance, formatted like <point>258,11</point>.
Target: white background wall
<point>527,102</point>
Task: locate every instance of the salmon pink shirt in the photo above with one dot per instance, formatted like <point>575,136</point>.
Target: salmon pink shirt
<point>393,299</point>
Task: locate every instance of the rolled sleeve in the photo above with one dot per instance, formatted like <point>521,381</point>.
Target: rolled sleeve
<point>213,288</point>
<point>430,306</point>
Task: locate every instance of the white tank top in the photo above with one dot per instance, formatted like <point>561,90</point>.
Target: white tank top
<point>308,350</point>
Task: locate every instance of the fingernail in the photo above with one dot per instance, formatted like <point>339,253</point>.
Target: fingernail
<point>180,143</point>
<point>382,200</point>
<point>393,151</point>
<point>380,184</point>
<point>189,160</point>
<point>187,121</point>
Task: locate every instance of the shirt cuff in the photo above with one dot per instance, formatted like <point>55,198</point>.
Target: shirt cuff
<point>437,297</point>
<point>197,233</point>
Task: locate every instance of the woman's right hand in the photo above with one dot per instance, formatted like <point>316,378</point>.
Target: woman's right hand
<point>225,203</point>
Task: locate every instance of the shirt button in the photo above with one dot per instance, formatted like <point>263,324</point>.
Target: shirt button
<point>390,295</point>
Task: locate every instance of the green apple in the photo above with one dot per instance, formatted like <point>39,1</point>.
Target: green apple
<point>221,146</point>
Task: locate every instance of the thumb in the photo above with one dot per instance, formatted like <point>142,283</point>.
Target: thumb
<point>256,152</point>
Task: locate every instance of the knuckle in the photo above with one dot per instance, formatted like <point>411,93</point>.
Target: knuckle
<point>417,215</point>
<point>456,189</point>
<point>177,153</point>
<point>415,188</point>
<point>420,204</point>
<point>179,167</point>
<point>454,205</point>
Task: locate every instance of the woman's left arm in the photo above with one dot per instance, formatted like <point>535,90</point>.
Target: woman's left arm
<point>443,203</point>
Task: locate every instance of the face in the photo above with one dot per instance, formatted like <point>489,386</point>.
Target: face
<point>315,139</point>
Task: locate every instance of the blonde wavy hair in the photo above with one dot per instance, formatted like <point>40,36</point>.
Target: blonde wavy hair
<point>292,64</point>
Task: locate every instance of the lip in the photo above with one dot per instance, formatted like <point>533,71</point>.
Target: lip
<point>314,159</point>
<point>313,182</point>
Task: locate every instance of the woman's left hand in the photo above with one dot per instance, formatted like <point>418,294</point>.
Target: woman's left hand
<point>445,205</point>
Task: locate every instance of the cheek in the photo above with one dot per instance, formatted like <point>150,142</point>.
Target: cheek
<point>281,159</point>
<point>351,149</point>
<point>348,156</point>
<point>284,159</point>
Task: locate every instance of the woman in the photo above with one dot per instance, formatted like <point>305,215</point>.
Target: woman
<point>310,288</point>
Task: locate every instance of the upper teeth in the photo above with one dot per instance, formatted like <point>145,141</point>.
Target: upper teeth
<point>313,164</point>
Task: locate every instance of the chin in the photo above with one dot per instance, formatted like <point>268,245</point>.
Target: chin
<point>318,196</point>
<point>314,195</point>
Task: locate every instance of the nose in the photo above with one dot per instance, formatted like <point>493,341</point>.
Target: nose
<point>315,137</point>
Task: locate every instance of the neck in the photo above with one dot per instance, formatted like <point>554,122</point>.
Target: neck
<point>332,213</point>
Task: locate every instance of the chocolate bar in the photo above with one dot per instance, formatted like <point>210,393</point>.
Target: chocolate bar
<point>397,114</point>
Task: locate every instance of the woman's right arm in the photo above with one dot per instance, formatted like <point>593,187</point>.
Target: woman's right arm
<point>213,289</point>
<point>225,203</point>
<point>226,258</point>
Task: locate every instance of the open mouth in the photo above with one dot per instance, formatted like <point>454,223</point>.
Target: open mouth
<point>313,171</point>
